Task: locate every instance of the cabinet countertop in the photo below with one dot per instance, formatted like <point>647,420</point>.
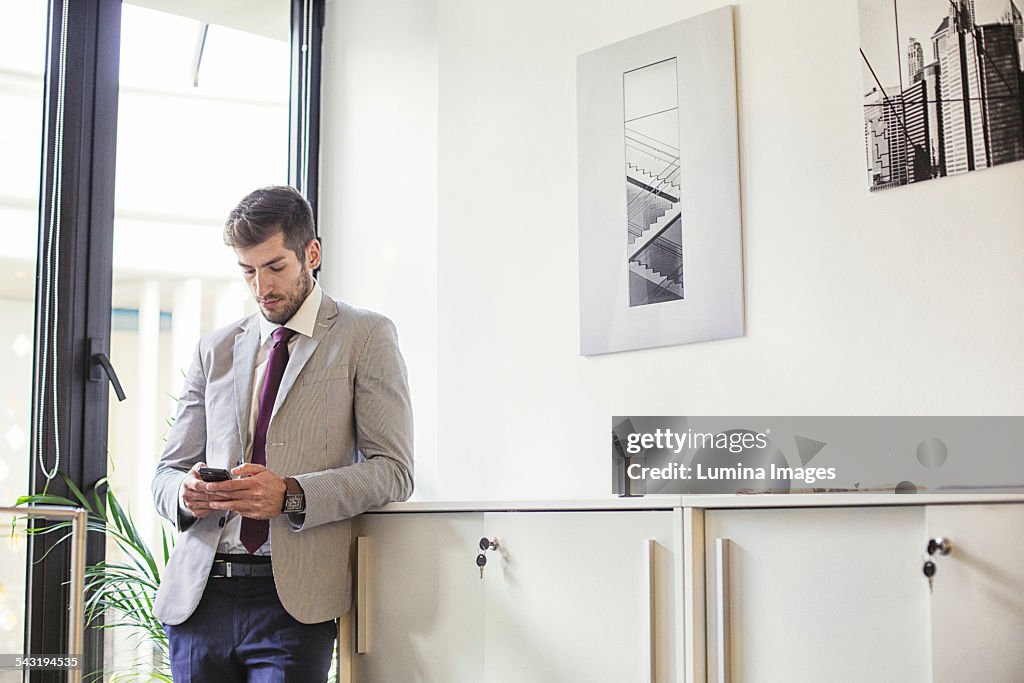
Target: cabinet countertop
<point>709,501</point>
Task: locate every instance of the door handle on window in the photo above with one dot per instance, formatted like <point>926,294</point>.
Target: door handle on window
<point>100,364</point>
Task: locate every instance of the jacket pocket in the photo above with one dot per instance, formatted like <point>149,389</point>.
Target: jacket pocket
<point>333,373</point>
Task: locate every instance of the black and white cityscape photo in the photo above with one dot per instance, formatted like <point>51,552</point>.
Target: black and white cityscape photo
<point>655,234</point>
<point>943,87</point>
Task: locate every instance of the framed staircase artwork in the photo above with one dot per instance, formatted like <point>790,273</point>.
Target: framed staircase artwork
<point>659,202</point>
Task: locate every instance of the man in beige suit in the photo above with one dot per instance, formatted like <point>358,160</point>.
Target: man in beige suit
<point>307,404</point>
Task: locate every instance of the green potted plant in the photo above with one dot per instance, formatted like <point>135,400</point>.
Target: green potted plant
<point>122,592</point>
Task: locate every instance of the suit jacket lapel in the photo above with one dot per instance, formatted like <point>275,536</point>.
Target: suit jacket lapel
<point>247,344</point>
<point>304,348</point>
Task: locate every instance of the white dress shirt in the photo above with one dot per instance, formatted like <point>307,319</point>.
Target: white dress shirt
<point>303,322</point>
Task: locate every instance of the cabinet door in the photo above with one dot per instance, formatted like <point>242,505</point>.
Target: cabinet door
<point>978,599</point>
<point>424,599</point>
<point>572,596</point>
<point>818,594</point>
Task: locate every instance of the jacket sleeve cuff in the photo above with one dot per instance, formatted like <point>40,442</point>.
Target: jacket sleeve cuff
<point>185,516</point>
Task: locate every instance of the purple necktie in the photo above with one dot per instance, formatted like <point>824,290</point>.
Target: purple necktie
<point>254,531</point>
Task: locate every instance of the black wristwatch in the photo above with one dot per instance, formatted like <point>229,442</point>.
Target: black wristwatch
<point>294,496</point>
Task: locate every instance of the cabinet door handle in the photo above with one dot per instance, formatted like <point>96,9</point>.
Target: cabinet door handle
<point>722,609</point>
<point>650,566</point>
<point>362,594</point>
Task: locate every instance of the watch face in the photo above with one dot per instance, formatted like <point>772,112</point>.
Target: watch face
<point>293,502</point>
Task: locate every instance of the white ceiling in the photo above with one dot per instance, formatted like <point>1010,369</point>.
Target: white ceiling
<point>270,18</point>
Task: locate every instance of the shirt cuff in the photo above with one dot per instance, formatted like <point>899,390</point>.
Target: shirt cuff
<point>296,519</point>
<point>182,510</point>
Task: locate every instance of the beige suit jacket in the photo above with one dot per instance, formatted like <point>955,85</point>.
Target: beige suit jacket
<point>342,426</point>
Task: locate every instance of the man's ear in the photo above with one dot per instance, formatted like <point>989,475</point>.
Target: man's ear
<point>313,254</point>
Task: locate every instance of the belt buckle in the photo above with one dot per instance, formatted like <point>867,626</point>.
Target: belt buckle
<point>226,572</point>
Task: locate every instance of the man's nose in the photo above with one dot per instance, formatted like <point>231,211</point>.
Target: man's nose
<point>261,284</point>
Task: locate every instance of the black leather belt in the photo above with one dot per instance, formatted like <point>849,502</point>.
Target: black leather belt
<point>241,566</point>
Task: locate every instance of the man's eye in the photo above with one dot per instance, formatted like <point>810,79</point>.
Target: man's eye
<point>248,272</point>
<point>277,269</point>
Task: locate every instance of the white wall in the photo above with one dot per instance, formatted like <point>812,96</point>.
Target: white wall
<point>378,194</point>
<point>909,301</point>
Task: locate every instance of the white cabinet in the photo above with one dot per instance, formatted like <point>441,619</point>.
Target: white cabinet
<point>822,592</point>
<point>817,594</point>
<point>838,594</point>
<point>423,611</point>
<point>566,596</point>
<point>573,597</point>
<point>978,599</point>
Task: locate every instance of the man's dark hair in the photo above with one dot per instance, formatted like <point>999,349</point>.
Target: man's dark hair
<point>267,211</point>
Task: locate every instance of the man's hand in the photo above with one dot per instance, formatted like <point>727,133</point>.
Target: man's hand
<point>194,494</point>
<point>259,494</point>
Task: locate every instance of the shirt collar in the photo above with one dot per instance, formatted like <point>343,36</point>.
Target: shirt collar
<point>304,319</point>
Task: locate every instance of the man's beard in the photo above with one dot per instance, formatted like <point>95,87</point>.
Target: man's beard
<point>304,285</point>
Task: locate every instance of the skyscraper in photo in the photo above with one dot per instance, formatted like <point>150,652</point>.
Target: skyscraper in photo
<point>932,77</point>
<point>999,71</point>
<point>915,60</point>
<point>961,14</point>
<point>885,138</point>
<point>960,90</point>
<point>1014,18</point>
<point>916,130</point>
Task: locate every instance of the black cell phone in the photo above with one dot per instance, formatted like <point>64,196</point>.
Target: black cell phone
<point>214,474</point>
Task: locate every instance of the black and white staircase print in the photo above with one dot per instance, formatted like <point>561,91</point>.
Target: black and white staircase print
<point>654,243</point>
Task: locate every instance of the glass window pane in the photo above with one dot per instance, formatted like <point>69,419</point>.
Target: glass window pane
<point>22,61</point>
<point>191,142</point>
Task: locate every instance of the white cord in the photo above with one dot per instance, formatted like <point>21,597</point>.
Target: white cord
<point>53,263</point>
<point>304,104</point>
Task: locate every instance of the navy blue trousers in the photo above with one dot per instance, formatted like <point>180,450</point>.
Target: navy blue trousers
<point>240,633</point>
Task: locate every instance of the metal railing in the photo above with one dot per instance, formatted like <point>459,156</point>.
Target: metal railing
<point>76,620</point>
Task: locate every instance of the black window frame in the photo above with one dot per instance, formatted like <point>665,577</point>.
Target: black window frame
<point>84,275</point>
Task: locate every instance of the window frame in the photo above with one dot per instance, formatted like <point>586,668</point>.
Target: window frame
<point>84,275</point>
